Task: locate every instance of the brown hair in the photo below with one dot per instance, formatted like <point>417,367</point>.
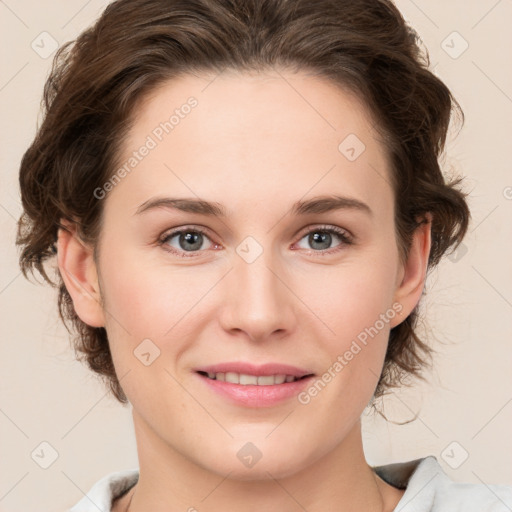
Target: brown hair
<point>96,81</point>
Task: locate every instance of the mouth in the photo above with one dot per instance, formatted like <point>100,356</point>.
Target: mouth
<point>247,385</point>
<point>245,379</point>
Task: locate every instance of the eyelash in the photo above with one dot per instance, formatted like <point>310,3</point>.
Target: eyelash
<point>345,237</point>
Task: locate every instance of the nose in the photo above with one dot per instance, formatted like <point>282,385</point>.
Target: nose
<point>257,300</point>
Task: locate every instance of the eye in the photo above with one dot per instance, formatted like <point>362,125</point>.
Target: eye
<point>193,240</point>
<point>185,240</point>
<point>320,239</point>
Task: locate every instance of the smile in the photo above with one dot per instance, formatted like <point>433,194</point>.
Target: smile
<point>245,379</point>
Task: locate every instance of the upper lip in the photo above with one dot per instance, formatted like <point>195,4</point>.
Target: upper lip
<point>252,369</point>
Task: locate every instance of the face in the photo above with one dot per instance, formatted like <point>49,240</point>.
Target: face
<point>280,277</point>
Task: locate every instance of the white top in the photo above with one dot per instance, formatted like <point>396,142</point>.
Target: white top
<point>428,489</point>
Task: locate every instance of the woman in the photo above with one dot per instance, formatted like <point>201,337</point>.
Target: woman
<point>244,198</point>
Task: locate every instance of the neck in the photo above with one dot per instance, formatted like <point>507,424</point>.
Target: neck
<point>340,480</point>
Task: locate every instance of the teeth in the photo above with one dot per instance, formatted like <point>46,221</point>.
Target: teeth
<point>232,377</point>
<point>248,379</point>
<point>266,380</point>
<point>280,379</point>
<point>245,379</point>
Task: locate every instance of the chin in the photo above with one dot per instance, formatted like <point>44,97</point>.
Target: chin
<point>246,461</point>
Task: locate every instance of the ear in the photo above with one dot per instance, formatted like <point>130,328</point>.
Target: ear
<point>412,274</point>
<point>78,270</point>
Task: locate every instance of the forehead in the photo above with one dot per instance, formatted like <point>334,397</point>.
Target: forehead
<point>262,135</point>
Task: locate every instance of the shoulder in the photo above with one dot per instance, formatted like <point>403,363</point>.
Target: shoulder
<point>429,489</point>
<point>101,495</point>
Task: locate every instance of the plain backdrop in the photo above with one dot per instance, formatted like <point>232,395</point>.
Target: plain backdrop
<point>463,413</point>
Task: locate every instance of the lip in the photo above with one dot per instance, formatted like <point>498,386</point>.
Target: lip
<point>258,370</point>
<point>252,395</point>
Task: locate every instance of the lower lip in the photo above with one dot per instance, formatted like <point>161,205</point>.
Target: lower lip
<point>257,396</point>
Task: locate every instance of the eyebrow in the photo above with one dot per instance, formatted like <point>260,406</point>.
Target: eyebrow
<point>320,204</point>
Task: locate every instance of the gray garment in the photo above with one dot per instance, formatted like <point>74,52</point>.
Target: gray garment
<point>428,489</point>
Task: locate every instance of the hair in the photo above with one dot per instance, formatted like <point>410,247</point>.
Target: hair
<point>97,81</point>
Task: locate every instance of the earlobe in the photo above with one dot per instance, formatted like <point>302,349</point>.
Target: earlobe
<point>78,271</point>
<point>414,272</point>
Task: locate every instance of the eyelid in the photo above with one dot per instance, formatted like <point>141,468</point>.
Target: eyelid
<point>325,227</point>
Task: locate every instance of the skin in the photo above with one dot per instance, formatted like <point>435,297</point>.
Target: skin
<point>255,143</point>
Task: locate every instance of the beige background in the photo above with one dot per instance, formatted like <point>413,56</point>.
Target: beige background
<point>48,397</point>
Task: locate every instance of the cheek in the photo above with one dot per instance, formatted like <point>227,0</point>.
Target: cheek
<point>358,315</point>
<point>355,303</point>
<point>148,302</point>
<point>150,299</point>
<point>351,298</point>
